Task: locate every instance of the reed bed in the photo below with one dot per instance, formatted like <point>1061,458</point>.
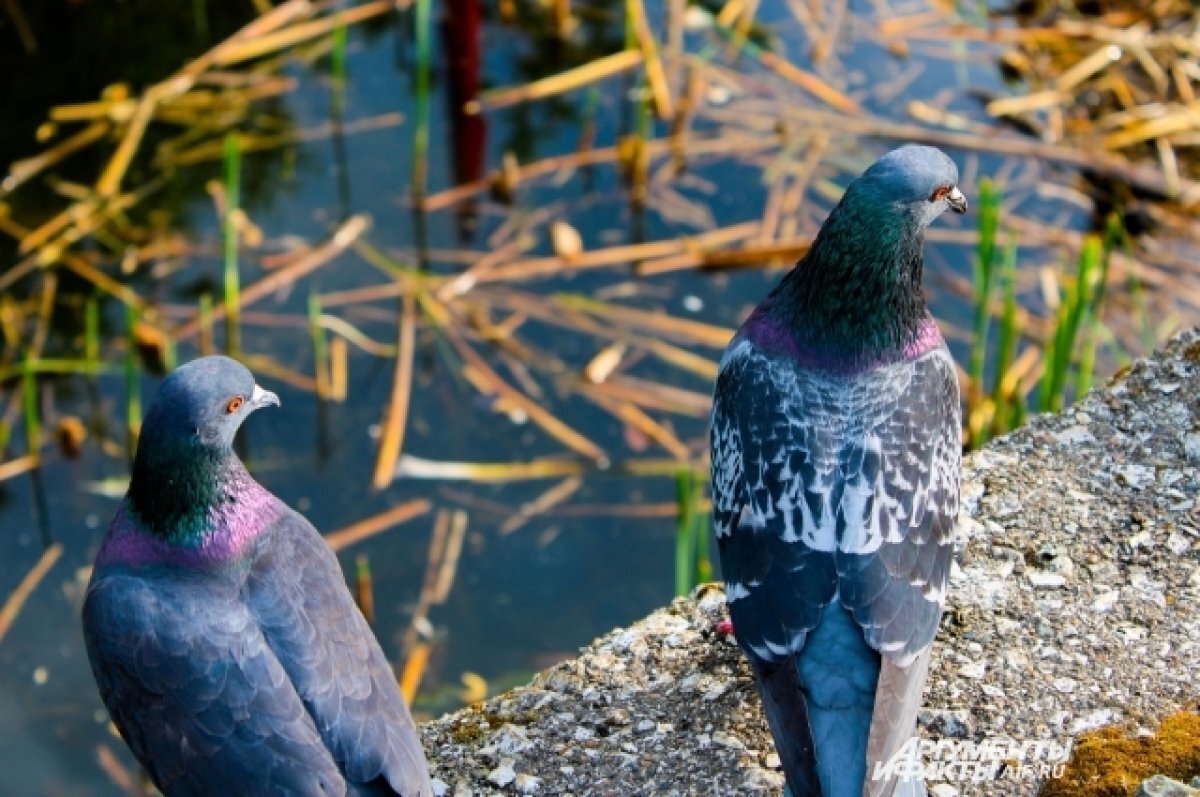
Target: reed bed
<point>1052,305</point>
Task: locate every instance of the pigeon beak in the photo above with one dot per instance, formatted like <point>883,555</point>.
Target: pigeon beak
<point>263,398</point>
<point>956,200</point>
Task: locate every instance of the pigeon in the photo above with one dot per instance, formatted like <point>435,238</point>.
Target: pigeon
<point>836,457</point>
<point>219,627</point>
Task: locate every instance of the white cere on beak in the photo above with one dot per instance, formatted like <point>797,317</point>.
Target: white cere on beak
<point>956,200</point>
<point>263,398</point>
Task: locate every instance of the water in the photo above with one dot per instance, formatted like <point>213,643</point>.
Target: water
<point>520,600</point>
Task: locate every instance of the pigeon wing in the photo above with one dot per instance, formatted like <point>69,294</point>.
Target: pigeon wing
<point>298,592</point>
<point>197,693</point>
<point>770,463</point>
<point>895,528</point>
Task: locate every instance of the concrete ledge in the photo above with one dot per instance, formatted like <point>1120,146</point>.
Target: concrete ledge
<point>1076,604</point>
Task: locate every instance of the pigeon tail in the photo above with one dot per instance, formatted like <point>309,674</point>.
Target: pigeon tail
<point>787,713</point>
<point>840,673</point>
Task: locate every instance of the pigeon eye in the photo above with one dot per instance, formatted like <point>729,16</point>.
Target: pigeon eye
<point>234,404</point>
<point>940,193</point>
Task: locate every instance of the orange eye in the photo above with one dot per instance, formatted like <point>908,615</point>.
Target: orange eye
<point>234,404</point>
<point>940,194</point>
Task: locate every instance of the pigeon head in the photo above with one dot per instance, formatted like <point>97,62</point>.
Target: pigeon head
<point>855,298</point>
<point>917,183</point>
<point>185,465</point>
<point>205,400</point>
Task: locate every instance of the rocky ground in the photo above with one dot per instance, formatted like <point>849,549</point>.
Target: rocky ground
<point>1076,604</point>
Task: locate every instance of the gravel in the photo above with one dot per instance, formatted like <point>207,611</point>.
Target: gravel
<point>1074,604</point>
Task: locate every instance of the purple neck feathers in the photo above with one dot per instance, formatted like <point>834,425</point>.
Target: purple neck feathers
<point>773,336</point>
<point>230,529</point>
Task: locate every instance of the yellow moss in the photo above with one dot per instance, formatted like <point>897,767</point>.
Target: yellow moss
<point>1109,763</point>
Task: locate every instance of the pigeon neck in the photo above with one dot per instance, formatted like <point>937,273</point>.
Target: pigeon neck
<point>179,489</point>
<point>856,296</point>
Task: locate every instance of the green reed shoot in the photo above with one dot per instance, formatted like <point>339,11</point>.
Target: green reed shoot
<point>1006,402</point>
<point>319,347</point>
<point>424,32</point>
<point>1092,323</point>
<point>29,405</point>
<point>692,562</point>
<point>133,396</point>
<point>91,335</point>
<point>338,68</point>
<point>990,200</point>
<point>233,169</point>
<point>1059,353</point>
<point>206,325</point>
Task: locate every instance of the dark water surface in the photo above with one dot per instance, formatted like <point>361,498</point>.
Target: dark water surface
<point>520,600</point>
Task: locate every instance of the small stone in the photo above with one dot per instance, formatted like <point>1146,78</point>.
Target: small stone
<point>727,740</point>
<point>974,670</point>
<point>440,787</point>
<point>1043,580</point>
<point>772,761</point>
<point>943,790</point>
<point>1162,786</point>
<point>527,784</point>
<point>502,775</point>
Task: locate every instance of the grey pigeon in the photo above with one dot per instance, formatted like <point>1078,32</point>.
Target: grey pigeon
<point>836,448</point>
<point>219,627</point>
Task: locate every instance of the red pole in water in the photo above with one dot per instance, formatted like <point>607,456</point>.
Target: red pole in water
<point>462,32</point>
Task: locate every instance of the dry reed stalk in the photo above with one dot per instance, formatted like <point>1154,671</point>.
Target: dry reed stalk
<point>491,472</point>
<point>657,78</point>
<point>414,670</point>
<point>369,527</point>
<point>12,606</point>
<point>214,150</point>
<point>488,382</point>
<point>544,502</point>
<point>120,776</point>
<point>908,25</point>
<point>1038,100</point>
<point>22,170</point>
<point>339,369</point>
<point>825,45</point>
<point>663,510</point>
<point>102,281</point>
<point>651,321</point>
<point>468,279</point>
<point>571,79</point>
<point>808,82</point>
<point>259,46</point>
<point>654,148</point>
<point>1088,66</point>
<point>15,467</point>
<point>392,440</point>
<point>1176,121</point>
<point>657,396</point>
<point>1143,177</point>
<point>448,566</point>
<point>618,255</point>
<point>632,415</point>
<point>345,235</point>
<point>261,363</point>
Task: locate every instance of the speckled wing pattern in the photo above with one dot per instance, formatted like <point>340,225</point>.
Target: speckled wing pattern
<point>323,643</point>
<point>829,485</point>
<point>196,691</point>
<point>836,487</point>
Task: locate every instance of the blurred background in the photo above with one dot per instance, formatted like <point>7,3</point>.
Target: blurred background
<point>488,254</point>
